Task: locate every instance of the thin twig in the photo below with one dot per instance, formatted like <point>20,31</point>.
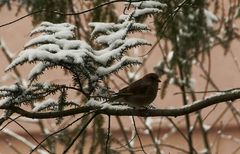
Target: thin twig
<point>9,122</point>
<point>124,135</point>
<point>63,14</point>
<point>236,61</point>
<point>14,120</point>
<point>79,133</point>
<point>139,139</point>
<point>181,133</point>
<point>108,133</point>
<point>175,126</point>
<point>70,124</point>
<point>9,57</point>
<point>185,102</point>
<point>152,136</point>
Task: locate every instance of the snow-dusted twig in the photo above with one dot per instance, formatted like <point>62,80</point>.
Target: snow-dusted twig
<point>65,14</point>
<point>228,95</point>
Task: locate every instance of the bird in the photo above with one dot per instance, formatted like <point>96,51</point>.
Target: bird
<point>140,93</point>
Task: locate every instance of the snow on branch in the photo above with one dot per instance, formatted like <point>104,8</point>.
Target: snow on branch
<point>54,45</point>
<point>227,96</point>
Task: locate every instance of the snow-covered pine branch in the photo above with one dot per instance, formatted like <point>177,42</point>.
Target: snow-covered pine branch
<point>55,45</point>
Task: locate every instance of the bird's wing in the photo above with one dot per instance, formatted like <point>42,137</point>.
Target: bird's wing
<point>138,87</point>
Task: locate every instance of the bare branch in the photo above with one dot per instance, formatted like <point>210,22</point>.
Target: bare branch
<point>108,133</point>
<point>228,95</point>
<point>79,133</point>
<point>64,14</point>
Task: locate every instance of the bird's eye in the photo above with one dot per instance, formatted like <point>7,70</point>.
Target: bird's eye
<point>154,78</point>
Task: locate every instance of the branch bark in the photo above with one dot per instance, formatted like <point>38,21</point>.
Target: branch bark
<point>64,14</point>
<point>226,96</point>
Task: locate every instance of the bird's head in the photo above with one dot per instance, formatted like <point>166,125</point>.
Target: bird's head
<point>153,77</point>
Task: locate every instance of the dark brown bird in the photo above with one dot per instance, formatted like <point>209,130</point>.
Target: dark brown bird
<point>140,93</point>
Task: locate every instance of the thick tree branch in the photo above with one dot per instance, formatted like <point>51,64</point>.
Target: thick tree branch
<point>229,95</point>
